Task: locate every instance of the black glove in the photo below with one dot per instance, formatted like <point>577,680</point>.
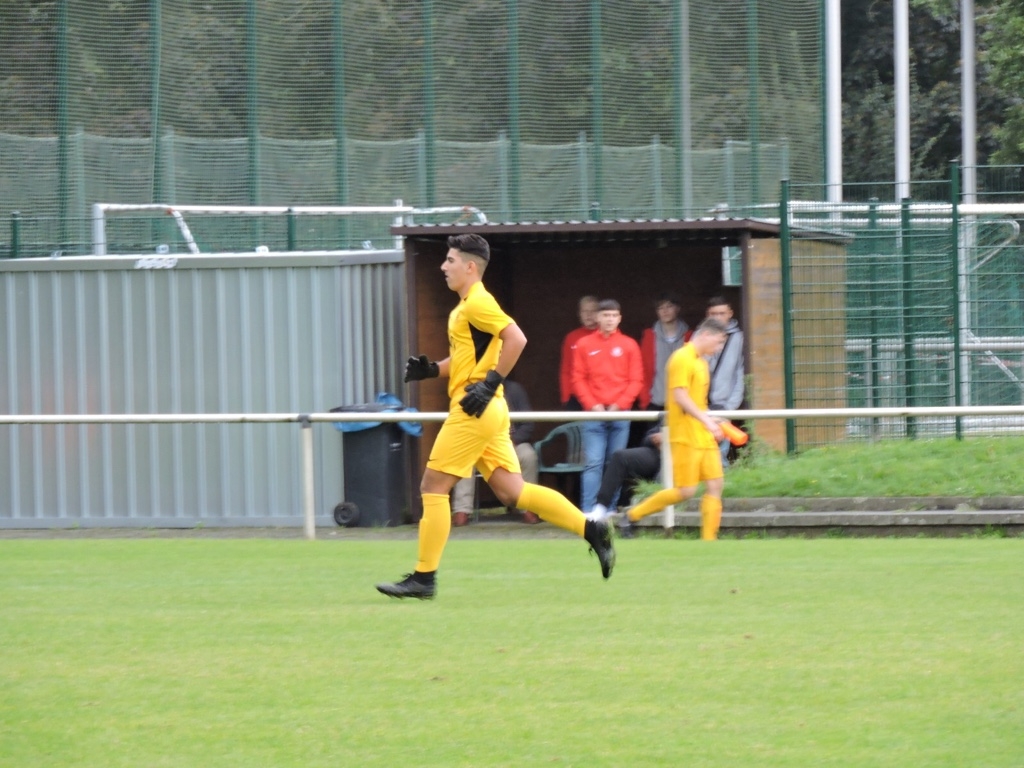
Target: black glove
<point>478,395</point>
<point>417,368</point>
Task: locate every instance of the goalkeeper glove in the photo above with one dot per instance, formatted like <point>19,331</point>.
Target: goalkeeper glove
<point>480,393</point>
<point>417,368</point>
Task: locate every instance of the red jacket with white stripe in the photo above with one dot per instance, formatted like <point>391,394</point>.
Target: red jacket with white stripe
<point>607,370</point>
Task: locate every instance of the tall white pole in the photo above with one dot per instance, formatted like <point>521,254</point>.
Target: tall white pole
<point>969,187</point>
<point>968,103</point>
<point>901,97</point>
<point>686,93</point>
<point>833,103</point>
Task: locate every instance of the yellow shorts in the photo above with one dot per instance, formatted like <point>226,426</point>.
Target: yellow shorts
<point>466,441</point>
<point>691,465</point>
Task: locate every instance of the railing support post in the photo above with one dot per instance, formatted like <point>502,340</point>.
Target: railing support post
<point>667,480</point>
<point>308,486</point>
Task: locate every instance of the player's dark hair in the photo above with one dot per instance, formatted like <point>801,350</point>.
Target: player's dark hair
<point>608,305</point>
<point>471,244</point>
<point>717,301</point>
<point>712,326</point>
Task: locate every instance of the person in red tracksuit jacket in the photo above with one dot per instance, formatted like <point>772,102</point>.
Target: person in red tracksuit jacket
<point>607,375</point>
<point>588,324</point>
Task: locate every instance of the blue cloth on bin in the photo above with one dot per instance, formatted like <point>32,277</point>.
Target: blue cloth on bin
<point>385,403</point>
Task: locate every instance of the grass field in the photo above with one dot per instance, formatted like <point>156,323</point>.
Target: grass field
<point>785,652</point>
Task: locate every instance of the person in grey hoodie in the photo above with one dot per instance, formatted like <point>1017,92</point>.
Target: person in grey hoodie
<point>657,343</point>
<point>726,368</point>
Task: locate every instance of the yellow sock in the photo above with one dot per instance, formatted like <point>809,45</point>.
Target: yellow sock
<point>710,517</point>
<point>551,506</point>
<point>655,503</point>
<point>435,525</point>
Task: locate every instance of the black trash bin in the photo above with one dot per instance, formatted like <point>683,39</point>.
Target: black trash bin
<point>376,460</point>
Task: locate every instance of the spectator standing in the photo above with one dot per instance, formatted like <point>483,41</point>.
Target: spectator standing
<point>657,343</point>
<point>522,432</point>
<point>607,377</point>
<point>726,367</point>
<point>588,324</point>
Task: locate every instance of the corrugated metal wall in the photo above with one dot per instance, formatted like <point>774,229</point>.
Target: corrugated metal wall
<point>205,334</point>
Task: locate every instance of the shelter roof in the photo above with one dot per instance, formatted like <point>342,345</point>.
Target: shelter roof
<point>703,229</point>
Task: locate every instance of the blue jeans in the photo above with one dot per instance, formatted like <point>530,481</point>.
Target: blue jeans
<point>600,440</point>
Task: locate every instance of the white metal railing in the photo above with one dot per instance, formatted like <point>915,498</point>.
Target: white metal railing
<point>972,343</point>
<point>889,352</point>
<point>813,214</point>
<point>306,421</point>
<point>915,208</point>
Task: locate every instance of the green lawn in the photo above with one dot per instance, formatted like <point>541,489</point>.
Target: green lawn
<point>865,652</point>
<point>977,466</point>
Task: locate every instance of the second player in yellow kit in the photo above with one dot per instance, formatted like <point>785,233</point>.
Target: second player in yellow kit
<point>692,433</point>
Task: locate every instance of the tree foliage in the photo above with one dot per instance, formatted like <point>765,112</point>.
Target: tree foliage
<point>384,94</point>
<point>935,100</point>
<point>1004,40</point>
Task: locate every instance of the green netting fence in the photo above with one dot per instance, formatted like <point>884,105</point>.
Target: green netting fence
<point>526,109</point>
<point>930,313</point>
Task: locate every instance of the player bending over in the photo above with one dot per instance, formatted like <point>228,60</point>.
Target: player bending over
<point>484,345</point>
<point>692,433</point>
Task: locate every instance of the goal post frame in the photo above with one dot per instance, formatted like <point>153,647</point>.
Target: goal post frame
<point>398,211</point>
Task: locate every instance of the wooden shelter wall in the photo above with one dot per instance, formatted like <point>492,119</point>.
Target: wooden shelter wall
<point>819,333</point>
<point>763,334</point>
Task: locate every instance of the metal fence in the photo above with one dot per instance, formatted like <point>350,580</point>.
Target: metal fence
<point>219,334</point>
<point>556,181</point>
<point>526,108</point>
<point>931,311</point>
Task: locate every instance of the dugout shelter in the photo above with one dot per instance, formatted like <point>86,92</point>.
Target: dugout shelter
<point>539,270</point>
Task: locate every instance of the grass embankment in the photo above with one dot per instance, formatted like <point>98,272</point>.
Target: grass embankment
<point>989,466</point>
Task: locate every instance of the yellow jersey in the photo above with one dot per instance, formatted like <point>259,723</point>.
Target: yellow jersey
<point>689,370</point>
<point>473,328</point>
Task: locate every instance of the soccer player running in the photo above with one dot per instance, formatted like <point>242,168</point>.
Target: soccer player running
<point>484,345</point>
<point>693,434</point>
